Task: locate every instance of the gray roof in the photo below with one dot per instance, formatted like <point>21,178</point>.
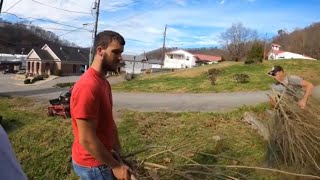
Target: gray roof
<point>154,61</point>
<point>43,54</point>
<point>66,53</point>
<point>137,58</point>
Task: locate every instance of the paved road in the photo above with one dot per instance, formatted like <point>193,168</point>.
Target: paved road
<point>150,102</point>
<point>183,102</point>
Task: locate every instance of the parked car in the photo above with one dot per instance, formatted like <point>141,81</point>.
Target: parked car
<point>10,71</point>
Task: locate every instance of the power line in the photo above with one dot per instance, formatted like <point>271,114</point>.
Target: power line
<point>58,29</point>
<point>13,5</point>
<point>70,32</point>
<point>44,20</point>
<point>60,8</point>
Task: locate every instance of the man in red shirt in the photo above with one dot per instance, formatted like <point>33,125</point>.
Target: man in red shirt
<point>94,129</point>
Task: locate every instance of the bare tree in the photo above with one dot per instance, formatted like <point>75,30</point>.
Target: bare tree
<point>235,40</point>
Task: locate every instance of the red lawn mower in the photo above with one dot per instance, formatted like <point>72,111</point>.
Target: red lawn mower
<point>61,105</point>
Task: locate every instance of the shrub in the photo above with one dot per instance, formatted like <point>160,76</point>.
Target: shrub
<point>27,81</point>
<point>129,77</point>
<point>241,78</point>
<point>45,76</point>
<point>213,79</point>
<point>213,74</point>
<point>148,71</point>
<point>58,72</point>
<point>213,71</point>
<point>67,84</point>
<point>249,61</point>
<point>37,78</point>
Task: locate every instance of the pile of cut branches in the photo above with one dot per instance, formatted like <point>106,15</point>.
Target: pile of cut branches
<point>295,132</point>
<point>182,162</point>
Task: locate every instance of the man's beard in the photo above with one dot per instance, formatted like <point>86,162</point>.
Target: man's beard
<point>108,65</point>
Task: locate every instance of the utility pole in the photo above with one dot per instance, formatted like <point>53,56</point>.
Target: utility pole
<point>97,7</point>
<point>1,2</point>
<point>164,45</point>
<point>134,63</point>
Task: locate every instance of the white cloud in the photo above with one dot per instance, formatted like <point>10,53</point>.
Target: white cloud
<point>222,1</point>
<point>181,2</point>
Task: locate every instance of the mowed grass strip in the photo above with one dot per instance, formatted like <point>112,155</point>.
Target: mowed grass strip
<point>196,79</point>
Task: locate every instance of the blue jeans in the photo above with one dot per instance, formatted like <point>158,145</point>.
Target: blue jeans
<point>93,173</point>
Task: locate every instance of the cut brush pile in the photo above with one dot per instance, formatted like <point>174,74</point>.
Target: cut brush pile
<point>295,133</point>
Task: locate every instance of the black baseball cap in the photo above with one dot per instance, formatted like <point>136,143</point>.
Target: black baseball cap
<point>274,70</point>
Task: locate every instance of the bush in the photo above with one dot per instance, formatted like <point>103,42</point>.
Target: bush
<point>45,76</point>
<point>249,61</point>
<point>67,84</point>
<point>148,71</point>
<point>213,74</point>
<point>129,77</point>
<point>241,78</point>
<point>37,78</point>
<point>213,79</point>
<point>58,72</point>
<point>27,81</point>
<point>213,71</point>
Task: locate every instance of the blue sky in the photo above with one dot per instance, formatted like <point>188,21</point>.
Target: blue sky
<point>191,23</point>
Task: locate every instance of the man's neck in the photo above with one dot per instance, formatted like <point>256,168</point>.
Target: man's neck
<point>96,65</point>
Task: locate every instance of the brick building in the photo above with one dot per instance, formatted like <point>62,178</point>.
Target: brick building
<point>57,60</point>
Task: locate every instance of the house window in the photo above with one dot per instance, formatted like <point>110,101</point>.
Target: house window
<point>171,56</point>
<point>187,58</point>
<point>74,68</point>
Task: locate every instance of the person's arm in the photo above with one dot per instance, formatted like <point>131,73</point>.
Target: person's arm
<point>308,87</point>
<point>90,142</point>
<point>117,145</point>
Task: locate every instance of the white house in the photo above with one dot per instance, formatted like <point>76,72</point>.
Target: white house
<point>277,54</point>
<point>184,59</point>
<point>138,63</point>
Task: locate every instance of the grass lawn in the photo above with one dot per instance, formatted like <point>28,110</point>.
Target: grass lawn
<point>43,144</point>
<point>196,79</point>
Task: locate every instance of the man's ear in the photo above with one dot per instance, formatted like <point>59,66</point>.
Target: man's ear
<point>99,51</point>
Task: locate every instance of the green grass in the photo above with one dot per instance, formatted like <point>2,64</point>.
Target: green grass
<point>196,79</point>
<point>43,144</point>
<point>67,84</point>
<point>197,131</point>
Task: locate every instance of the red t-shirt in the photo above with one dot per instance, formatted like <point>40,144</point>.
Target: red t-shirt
<point>91,99</point>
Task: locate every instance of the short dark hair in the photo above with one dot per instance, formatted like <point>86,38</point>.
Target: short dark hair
<point>104,38</point>
<point>274,70</point>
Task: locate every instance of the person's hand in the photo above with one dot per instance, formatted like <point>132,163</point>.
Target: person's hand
<point>121,172</point>
<point>302,103</point>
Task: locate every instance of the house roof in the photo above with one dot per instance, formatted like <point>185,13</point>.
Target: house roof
<point>274,44</point>
<point>137,58</point>
<point>277,52</point>
<point>154,61</point>
<point>43,54</point>
<point>203,57</point>
<point>66,53</point>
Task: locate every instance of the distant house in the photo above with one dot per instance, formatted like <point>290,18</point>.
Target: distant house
<point>277,54</point>
<point>57,60</point>
<point>184,59</point>
<point>12,61</point>
<point>138,63</point>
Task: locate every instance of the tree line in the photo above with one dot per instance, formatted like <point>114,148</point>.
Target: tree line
<point>240,43</point>
<point>22,37</point>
